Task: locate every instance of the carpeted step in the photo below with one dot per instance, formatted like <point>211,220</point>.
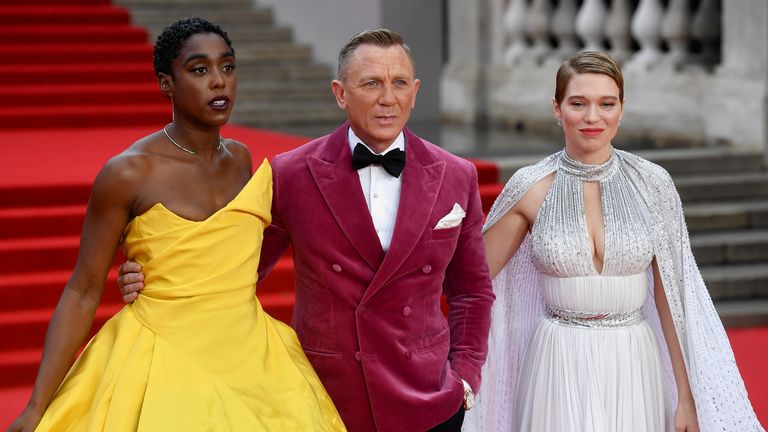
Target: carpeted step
<point>488,194</point>
<point>14,196</point>
<point>91,94</point>
<point>62,53</point>
<point>126,73</point>
<point>38,3</point>
<point>24,222</point>
<point>78,116</point>
<point>19,367</point>
<point>40,254</point>
<point>25,329</point>
<point>55,14</point>
<point>487,172</point>
<point>42,289</point>
<point>72,34</point>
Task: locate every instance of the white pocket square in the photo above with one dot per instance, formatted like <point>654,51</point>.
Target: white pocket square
<point>452,219</point>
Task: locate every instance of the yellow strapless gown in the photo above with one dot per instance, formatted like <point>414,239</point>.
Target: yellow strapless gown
<point>195,352</point>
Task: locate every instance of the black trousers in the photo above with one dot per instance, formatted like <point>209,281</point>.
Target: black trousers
<point>453,424</point>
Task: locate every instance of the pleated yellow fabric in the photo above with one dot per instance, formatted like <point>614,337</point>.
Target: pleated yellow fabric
<point>195,352</point>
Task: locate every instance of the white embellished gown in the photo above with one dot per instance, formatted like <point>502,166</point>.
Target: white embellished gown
<point>592,362</point>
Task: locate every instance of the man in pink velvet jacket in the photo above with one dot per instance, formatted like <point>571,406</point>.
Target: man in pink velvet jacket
<point>372,256</point>
<point>381,224</point>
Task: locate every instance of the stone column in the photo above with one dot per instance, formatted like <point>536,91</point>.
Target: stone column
<point>460,86</point>
<point>736,109</point>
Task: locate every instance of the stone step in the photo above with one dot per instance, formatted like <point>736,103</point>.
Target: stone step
<point>676,161</point>
<point>710,216</point>
<point>250,33</point>
<point>737,282</point>
<point>285,90</point>
<point>241,33</point>
<point>704,160</point>
<point>723,186</point>
<point>745,313</point>
<point>259,72</point>
<point>274,114</point>
<point>270,52</point>
<point>157,18</point>
<point>730,247</point>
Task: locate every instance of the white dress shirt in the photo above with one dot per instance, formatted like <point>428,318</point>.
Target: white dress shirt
<point>381,190</point>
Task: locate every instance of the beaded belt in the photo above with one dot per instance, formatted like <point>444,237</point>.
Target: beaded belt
<point>594,320</point>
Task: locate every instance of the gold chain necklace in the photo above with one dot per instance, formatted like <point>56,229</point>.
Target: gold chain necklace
<point>181,147</point>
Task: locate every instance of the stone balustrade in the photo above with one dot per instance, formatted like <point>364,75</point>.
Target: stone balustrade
<point>696,71</point>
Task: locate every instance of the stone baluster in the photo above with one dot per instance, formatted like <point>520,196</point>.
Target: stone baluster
<point>514,24</point>
<point>646,28</point>
<point>706,29</point>
<point>676,31</point>
<point>538,29</point>
<point>564,28</point>
<point>617,30</point>
<point>590,22</point>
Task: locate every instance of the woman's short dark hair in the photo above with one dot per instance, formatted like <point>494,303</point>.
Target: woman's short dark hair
<point>173,37</point>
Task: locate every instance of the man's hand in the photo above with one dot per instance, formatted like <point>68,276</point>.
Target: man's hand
<point>130,280</point>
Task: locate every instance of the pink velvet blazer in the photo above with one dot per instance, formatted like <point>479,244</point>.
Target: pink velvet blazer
<point>370,322</point>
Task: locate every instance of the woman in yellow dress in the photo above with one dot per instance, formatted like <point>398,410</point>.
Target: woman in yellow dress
<point>195,351</point>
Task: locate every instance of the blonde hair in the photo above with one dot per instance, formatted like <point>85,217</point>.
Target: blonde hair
<point>588,62</point>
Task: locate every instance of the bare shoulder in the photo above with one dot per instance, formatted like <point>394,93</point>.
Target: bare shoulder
<point>129,168</point>
<point>125,175</point>
<point>240,152</point>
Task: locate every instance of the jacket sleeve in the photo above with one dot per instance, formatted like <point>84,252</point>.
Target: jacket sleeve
<point>469,293</point>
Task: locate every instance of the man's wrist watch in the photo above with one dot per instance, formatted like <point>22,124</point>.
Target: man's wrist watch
<point>469,396</point>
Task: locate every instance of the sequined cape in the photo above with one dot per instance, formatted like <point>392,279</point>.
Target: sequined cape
<point>718,389</point>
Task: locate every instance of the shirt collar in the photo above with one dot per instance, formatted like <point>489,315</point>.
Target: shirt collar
<point>398,143</point>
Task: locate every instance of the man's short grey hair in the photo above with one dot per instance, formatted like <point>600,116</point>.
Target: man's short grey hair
<point>382,37</point>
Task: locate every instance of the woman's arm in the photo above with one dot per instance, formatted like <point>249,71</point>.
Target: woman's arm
<point>685,413</point>
<point>502,240</point>
<point>108,212</point>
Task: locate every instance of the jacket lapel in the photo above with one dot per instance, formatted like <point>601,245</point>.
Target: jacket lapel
<point>422,179</point>
<point>340,186</point>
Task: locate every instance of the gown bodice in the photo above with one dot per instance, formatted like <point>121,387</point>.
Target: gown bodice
<point>560,244</point>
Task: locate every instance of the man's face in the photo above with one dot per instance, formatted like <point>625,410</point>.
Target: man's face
<point>378,92</point>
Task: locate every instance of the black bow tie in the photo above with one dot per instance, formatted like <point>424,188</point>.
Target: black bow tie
<point>393,161</point>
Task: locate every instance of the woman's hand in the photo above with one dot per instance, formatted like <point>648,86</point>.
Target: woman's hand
<point>685,417</point>
<point>26,422</point>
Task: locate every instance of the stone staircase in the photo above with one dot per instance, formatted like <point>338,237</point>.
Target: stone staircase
<point>279,84</point>
<point>725,199</point>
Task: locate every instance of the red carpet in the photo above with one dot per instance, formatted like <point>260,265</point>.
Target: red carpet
<point>75,64</point>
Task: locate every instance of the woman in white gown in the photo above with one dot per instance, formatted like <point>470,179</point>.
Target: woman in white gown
<point>602,321</point>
